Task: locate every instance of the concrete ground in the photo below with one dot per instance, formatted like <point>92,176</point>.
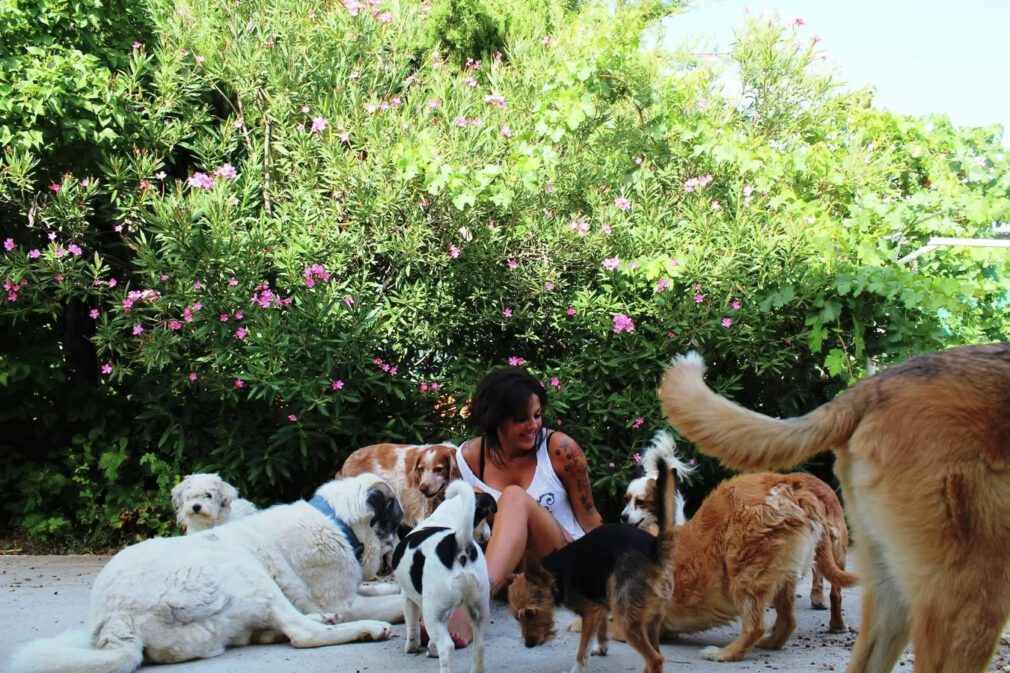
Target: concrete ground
<point>43,595</point>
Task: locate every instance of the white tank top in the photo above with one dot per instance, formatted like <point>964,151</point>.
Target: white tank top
<point>545,488</point>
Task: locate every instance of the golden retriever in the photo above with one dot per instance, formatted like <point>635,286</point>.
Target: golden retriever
<point>923,455</point>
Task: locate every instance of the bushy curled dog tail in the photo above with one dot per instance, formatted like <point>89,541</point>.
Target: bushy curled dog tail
<point>464,526</point>
<point>115,649</point>
<point>744,439</point>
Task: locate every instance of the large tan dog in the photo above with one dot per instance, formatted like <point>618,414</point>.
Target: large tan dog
<point>923,456</point>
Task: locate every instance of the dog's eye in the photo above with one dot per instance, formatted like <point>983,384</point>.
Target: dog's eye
<point>207,495</point>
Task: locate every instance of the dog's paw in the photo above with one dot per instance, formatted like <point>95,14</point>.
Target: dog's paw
<point>374,630</point>
<point>598,650</point>
<point>713,653</point>
<point>412,646</point>
<point>432,649</point>
<point>326,617</point>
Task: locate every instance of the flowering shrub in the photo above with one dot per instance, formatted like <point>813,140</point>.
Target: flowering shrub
<point>318,239</point>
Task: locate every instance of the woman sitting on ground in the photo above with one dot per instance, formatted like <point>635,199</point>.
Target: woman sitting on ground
<point>539,477</point>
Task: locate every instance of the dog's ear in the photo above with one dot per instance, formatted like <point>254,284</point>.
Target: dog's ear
<point>228,493</point>
<point>177,492</point>
<point>452,469</point>
<point>411,460</point>
<point>386,511</point>
<point>484,507</point>
<point>532,568</point>
<point>637,471</point>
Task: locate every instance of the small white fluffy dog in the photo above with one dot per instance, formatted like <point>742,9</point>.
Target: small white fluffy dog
<point>640,496</point>
<point>204,500</point>
<point>288,571</point>
<point>439,567</point>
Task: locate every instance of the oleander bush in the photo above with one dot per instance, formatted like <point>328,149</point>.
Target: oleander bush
<point>318,225</point>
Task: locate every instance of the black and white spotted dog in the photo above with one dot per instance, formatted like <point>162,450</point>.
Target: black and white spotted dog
<point>439,568</point>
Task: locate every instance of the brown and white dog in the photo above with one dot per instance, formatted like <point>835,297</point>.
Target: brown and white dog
<point>640,495</point>
<point>923,455</point>
<point>418,473</point>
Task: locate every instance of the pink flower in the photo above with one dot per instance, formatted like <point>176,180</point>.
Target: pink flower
<point>187,314</point>
<point>192,376</point>
<point>736,304</point>
<point>138,329</point>
<point>349,301</point>
<point>434,103</point>
<point>197,285</point>
<point>549,286</point>
<point>34,253</point>
<point>423,388</point>
<point>8,244</point>
<point>671,335</point>
<point>556,382</point>
<point>662,285</point>
<point>727,322</point>
<point>570,311</point>
<point>292,418</point>
<point>94,313</point>
<point>392,371</point>
<point>319,125</point>
<point>241,333</point>
<point>137,44</point>
<point>227,172</point>
<point>200,181</point>
<point>223,317</point>
<point>506,132</point>
<point>453,251</point>
<point>513,263</point>
<point>612,466</point>
<point>611,263</point>
<point>239,383</point>
<point>459,121</point>
<point>515,361</point>
<point>107,368</point>
<point>336,385</point>
<point>637,457</point>
<point>496,100</point>
<point>507,313</point>
<point>799,21</point>
<point>197,306</point>
<point>385,17</point>
<point>698,298</point>
<point>233,281</point>
<point>239,315</point>
<point>638,422</point>
<point>313,273</point>
<point>623,323</point>
<point>622,203</point>
<point>55,187</point>
<point>606,229</point>
<point>548,41</point>
<point>174,325</point>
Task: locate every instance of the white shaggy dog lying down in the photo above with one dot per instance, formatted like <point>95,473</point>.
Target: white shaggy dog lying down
<point>205,500</point>
<point>288,571</point>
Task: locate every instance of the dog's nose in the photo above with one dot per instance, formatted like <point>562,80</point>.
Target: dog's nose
<point>196,508</point>
<point>624,518</point>
<point>531,643</point>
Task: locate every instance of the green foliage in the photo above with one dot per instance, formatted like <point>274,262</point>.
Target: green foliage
<point>313,234</point>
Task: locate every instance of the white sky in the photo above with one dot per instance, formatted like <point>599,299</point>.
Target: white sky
<point>931,56</point>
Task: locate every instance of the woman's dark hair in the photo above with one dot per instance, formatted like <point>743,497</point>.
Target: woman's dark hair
<point>500,396</point>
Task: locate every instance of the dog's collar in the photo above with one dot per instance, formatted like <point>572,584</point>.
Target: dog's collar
<point>319,502</point>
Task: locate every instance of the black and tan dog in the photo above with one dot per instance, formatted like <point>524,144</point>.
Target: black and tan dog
<point>923,454</point>
<point>616,569</point>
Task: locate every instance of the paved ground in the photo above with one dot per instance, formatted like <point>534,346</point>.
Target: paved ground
<point>43,595</point>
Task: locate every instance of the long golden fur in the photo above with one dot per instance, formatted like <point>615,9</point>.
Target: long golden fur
<point>745,549</point>
<point>923,456</point>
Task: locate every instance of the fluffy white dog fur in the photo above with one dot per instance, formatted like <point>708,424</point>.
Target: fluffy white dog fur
<point>287,572</point>
<point>439,568</point>
<point>639,497</point>
<point>204,500</point>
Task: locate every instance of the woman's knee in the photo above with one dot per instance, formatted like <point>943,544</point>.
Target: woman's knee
<point>514,497</point>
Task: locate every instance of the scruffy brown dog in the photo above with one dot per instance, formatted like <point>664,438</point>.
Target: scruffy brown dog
<point>923,455</point>
<point>614,568</point>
